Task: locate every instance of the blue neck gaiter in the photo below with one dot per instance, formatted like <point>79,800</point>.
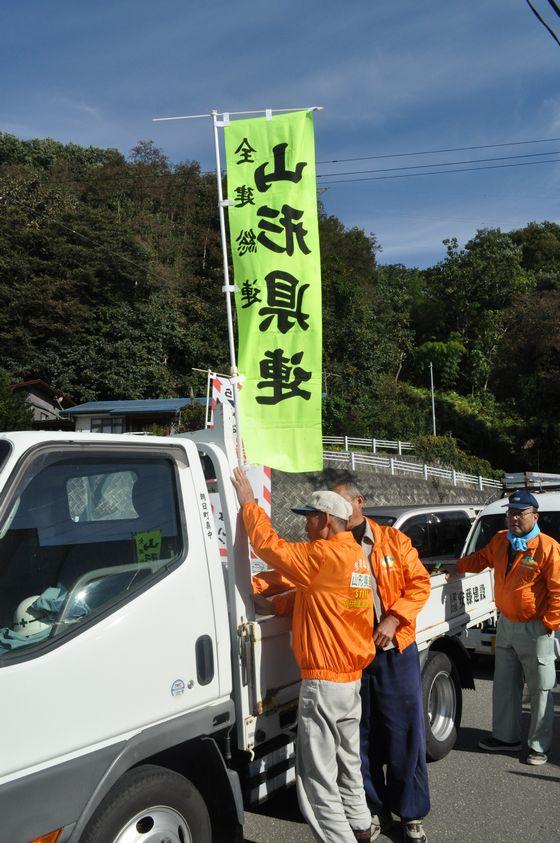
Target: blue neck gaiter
<point>520,542</point>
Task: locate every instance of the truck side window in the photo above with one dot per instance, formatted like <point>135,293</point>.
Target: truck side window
<point>81,533</point>
<point>449,531</point>
<point>416,528</point>
<point>437,535</point>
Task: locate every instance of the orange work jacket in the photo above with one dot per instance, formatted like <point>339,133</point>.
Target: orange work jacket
<point>332,626</point>
<point>402,581</point>
<point>531,589</point>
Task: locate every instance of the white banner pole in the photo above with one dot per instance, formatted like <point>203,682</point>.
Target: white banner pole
<point>228,289</point>
<point>208,420</point>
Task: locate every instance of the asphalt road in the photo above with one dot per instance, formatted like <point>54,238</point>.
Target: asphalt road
<point>476,797</point>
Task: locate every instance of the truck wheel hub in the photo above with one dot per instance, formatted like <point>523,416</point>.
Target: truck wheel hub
<point>159,824</point>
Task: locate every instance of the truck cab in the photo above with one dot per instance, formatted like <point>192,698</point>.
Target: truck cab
<point>129,649</point>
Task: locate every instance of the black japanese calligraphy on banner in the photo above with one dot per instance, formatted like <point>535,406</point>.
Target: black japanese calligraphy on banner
<point>275,247</point>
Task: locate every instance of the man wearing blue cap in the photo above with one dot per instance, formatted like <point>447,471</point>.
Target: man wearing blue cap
<point>526,567</point>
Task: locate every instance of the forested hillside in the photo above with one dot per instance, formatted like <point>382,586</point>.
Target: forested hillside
<point>110,287</point>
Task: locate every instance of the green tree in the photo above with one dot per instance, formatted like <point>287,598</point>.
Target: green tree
<point>15,413</point>
<point>446,358</point>
<point>469,294</point>
<point>528,377</point>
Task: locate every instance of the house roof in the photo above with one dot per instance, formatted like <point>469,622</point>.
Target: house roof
<point>147,406</point>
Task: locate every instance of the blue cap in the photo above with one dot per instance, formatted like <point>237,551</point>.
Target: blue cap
<point>522,499</point>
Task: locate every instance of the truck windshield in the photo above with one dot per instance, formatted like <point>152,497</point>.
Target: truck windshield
<point>80,533</point>
<point>484,529</point>
<point>488,525</point>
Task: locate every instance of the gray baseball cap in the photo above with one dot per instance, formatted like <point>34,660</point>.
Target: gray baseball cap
<point>325,501</point>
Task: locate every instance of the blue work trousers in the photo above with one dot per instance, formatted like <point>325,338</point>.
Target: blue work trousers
<point>392,733</point>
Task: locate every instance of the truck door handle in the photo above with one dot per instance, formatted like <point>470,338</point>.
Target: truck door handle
<point>204,660</point>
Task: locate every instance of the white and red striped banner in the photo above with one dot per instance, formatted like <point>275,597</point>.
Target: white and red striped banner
<point>259,476</point>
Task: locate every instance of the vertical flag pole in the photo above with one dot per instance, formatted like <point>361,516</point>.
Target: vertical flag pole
<point>228,289</point>
<point>208,399</point>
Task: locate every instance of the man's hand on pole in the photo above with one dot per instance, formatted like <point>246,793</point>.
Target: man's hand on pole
<point>242,487</point>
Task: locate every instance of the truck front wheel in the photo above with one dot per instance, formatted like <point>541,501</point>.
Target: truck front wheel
<point>150,804</point>
<point>441,689</point>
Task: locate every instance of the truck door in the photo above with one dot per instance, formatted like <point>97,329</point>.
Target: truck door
<point>266,677</point>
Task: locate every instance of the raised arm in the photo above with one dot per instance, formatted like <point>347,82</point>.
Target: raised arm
<point>295,560</point>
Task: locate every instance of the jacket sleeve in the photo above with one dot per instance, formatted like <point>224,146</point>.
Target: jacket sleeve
<point>297,561</point>
<point>476,562</point>
<point>417,584</point>
<point>284,603</point>
<point>551,573</point>
<point>268,583</point>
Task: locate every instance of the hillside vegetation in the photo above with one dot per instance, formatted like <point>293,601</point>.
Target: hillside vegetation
<point>110,287</point>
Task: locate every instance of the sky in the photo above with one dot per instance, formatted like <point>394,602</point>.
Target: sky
<point>393,77</point>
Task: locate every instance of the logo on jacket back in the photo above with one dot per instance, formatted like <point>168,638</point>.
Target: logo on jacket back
<point>360,580</point>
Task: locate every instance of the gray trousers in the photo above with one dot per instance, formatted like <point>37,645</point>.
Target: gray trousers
<point>524,653</point>
<point>328,772</point>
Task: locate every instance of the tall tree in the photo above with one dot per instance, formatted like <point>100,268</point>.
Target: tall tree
<point>15,414</point>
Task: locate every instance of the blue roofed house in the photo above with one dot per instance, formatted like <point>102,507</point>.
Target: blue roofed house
<point>130,416</point>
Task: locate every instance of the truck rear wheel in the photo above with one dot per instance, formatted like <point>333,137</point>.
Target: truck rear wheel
<point>443,705</point>
<point>150,804</point>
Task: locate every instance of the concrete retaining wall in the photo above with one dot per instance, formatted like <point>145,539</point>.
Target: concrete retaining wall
<point>382,489</point>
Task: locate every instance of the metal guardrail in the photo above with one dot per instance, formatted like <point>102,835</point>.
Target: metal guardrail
<point>393,465</point>
<point>371,443</point>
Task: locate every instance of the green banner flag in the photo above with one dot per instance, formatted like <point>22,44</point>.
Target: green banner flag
<point>275,246</point>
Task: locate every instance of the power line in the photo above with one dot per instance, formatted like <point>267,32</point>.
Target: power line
<point>437,151</point>
<point>544,23</point>
<point>443,164</point>
<point>555,6</point>
<point>444,172</point>
<point>93,174</point>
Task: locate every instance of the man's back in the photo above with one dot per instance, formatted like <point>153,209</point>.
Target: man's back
<point>333,610</point>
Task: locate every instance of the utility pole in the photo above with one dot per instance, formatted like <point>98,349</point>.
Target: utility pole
<point>433,397</point>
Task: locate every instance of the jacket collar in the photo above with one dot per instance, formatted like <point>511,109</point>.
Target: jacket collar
<point>374,531</point>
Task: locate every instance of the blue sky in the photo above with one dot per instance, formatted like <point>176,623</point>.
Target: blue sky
<point>394,76</point>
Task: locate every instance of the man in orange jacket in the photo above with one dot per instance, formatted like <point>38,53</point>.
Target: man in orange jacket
<point>392,729</point>
<point>526,567</point>
<point>332,639</point>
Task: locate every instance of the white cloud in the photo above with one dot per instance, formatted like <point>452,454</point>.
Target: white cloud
<point>77,108</point>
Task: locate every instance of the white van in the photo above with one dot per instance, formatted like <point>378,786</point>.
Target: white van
<point>482,639</point>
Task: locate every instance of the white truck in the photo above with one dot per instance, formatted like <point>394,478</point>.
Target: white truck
<point>143,698</point>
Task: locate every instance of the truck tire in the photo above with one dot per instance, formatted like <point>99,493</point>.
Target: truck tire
<point>150,803</point>
<point>443,703</point>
